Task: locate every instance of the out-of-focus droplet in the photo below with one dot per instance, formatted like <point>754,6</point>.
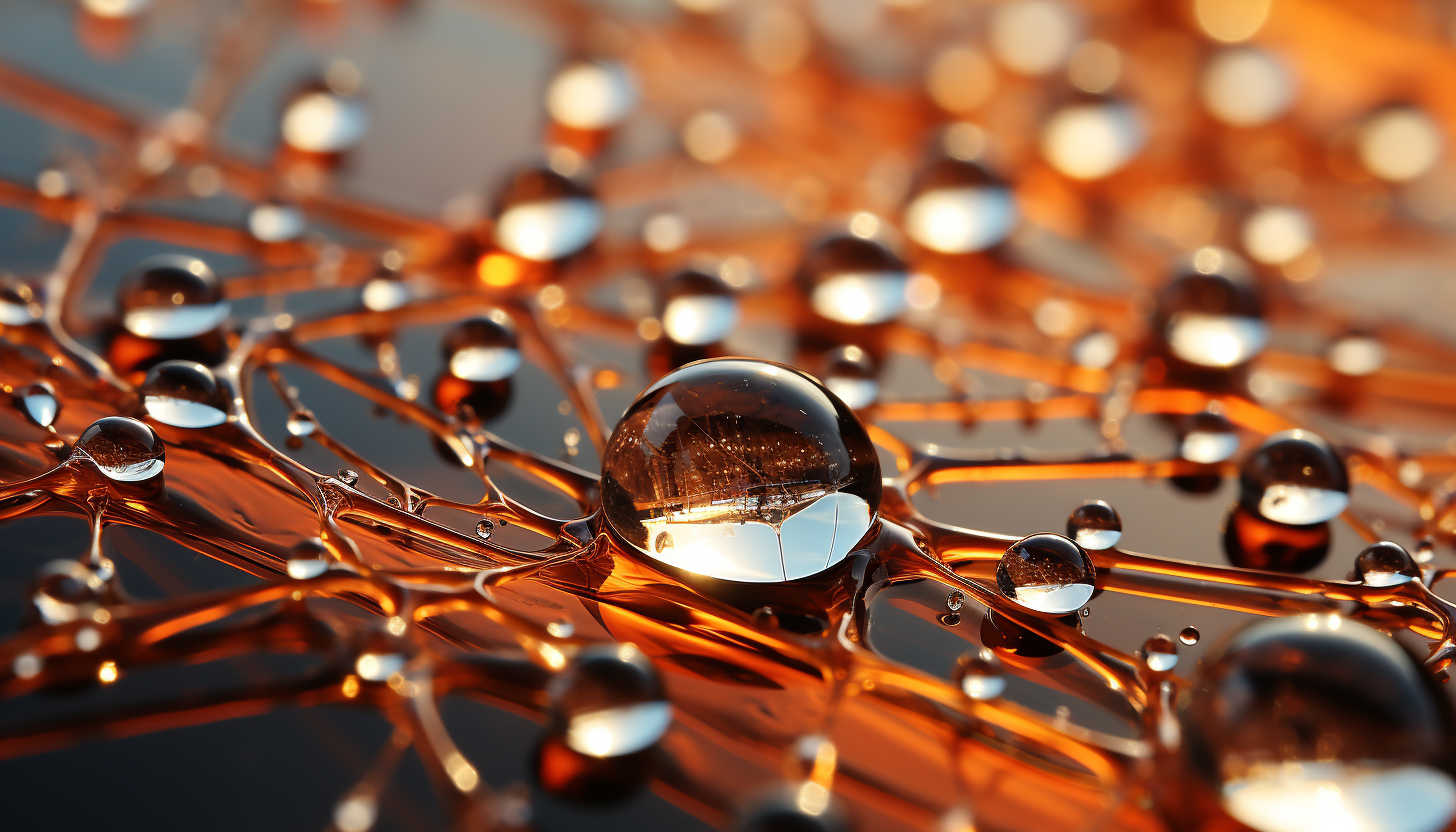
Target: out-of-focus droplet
<point>386,291</point>
<point>19,305</point>
<point>1047,573</point>
<point>1356,355</point>
<point>1231,21</point>
<point>1092,140</point>
<point>1095,66</point>
<point>777,39</point>
<point>1246,86</point>
<point>276,222</point>
<point>1160,653</point>
<point>979,675</point>
<point>486,348</point>
<point>327,116</point>
<point>771,477</point>
<point>125,449</point>
<point>1209,315</point>
<point>853,280</point>
<point>1032,37</point>
<point>1096,350</point>
<point>1399,144</point>
<point>960,79</point>
<point>799,807</point>
<point>1207,438</point>
<point>850,374</point>
<point>665,232</point>
<point>609,702</point>
<point>1278,234</point>
<point>542,215</point>
<point>697,308</point>
<point>171,297</point>
<point>1296,478</point>
<point>39,403</point>
<point>1252,541</point>
<point>710,137</point>
<point>591,95</point>
<point>1386,564</point>
<point>958,207</point>
<point>309,559</point>
<point>1095,525</point>
<point>184,394</point>
<point>1189,635</point>
<point>116,9</point>
<point>64,591</point>
<point>356,812</point>
<point>301,424</point>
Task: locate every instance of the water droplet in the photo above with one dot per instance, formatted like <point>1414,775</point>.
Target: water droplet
<point>321,119</point>
<point>979,675</point>
<point>347,476</point>
<point>854,280</point>
<point>39,403</point>
<point>955,600</point>
<point>1095,525</point>
<point>849,373</point>
<point>486,348</point>
<point>184,394</point>
<point>1386,564</point>
<point>1400,143</point>
<point>301,424</point>
<point>1189,635</point>
<point>1319,716</point>
<point>309,559</point>
<point>1356,355</point>
<point>385,292</point>
<point>484,529</point>
<point>19,305</point>
<point>1207,438</point>
<point>591,95</point>
<point>609,702</point>
<point>356,813</point>
<point>378,667</point>
<point>66,591</point>
<point>276,222</point>
<point>125,449</point>
<point>1245,86</point>
<point>1425,551</point>
<point>1047,573</point>
<point>171,297</point>
<point>957,207</point>
<point>697,309</point>
<point>1210,315</point>
<point>1096,350</point>
<point>542,215</point>
<point>1092,140</point>
<point>757,447</point>
<point>116,9</point>
<point>1295,478</point>
<point>1278,234</point>
<point>1160,653</point>
<point>561,628</point>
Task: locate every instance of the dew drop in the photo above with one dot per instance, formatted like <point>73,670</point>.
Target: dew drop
<point>609,702</point>
<point>184,394</point>
<point>849,373</point>
<point>483,529</point>
<point>1210,315</point>
<point>321,118</point>
<point>1188,635</point>
<point>123,448</point>
<point>276,222</point>
<point>542,215</point>
<point>955,600</point>
<point>1095,525</point>
<point>561,628</point>
<point>301,424</point>
<point>483,349</point>
<point>591,95</point>
<point>958,207</point>
<point>1386,564</point>
<point>854,280</point>
<point>1092,140</point>
<point>1295,478</point>
<point>309,559</point>
<point>979,675</point>
<point>1047,573</point>
<point>347,476</point>
<point>171,297</point>
<point>39,403</point>
<point>1206,437</point>
<point>19,305</point>
<point>696,308</point>
<point>64,591</point>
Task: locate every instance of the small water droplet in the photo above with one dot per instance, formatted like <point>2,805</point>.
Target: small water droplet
<point>1386,564</point>
<point>955,600</point>
<point>348,476</point>
<point>301,424</point>
<point>483,529</point>
<point>1095,525</point>
<point>171,297</point>
<point>125,449</point>
<point>1160,653</point>
<point>979,675</point>
<point>1047,573</point>
<point>561,628</point>
<point>1295,478</point>
<point>39,403</point>
<point>1189,635</point>
<point>184,394</point>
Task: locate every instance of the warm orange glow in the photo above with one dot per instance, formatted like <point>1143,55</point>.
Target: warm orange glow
<point>499,270</point>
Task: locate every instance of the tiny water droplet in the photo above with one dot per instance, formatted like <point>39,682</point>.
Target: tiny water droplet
<point>1189,636</point>
<point>1095,525</point>
<point>1160,653</point>
<point>301,424</point>
<point>39,403</point>
<point>483,529</point>
<point>979,675</point>
<point>561,628</point>
<point>348,476</point>
<point>955,600</point>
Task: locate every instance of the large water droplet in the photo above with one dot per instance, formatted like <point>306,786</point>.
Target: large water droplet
<point>853,280</point>
<point>124,449</point>
<point>1210,315</point>
<point>486,348</point>
<point>958,207</point>
<point>753,470</point>
<point>609,702</point>
<point>309,559</point>
<point>542,215</point>
<point>1047,573</point>
<point>171,297</point>
<point>979,675</point>
<point>39,403</point>
<point>1095,525</point>
<point>1295,478</point>
<point>184,394</point>
<point>697,309</point>
<point>1386,564</point>
<point>849,373</point>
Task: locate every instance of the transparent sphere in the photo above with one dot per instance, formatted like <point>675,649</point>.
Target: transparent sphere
<point>1160,653</point>
<point>1047,573</point>
<point>697,309</point>
<point>308,559</point>
<point>1210,315</point>
<point>1386,564</point>
<point>19,305</point>
<point>1245,86</point>
<point>1320,722</point>
<point>1277,234</point>
<point>325,119</point>
<point>853,280</point>
<point>184,394</point>
<point>486,348</point>
<point>741,470</point>
<point>66,591</point>
<point>39,403</point>
<point>609,702</point>
<point>125,449</point>
<point>1092,140</point>
<point>116,9</point>
<point>1095,525</point>
<point>979,675</point>
<point>386,291</point>
<point>171,297</point>
<point>1207,437</point>
<point>1356,355</point>
<point>958,206</point>
<point>1295,477</point>
<point>276,222</point>
<point>591,95</point>
<point>541,215</point>
<point>849,374</point>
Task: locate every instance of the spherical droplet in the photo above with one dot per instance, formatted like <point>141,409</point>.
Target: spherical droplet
<point>979,675</point>
<point>955,600</point>
<point>39,403</point>
<point>309,559</point>
<point>1295,477</point>
<point>125,449</point>
<point>1047,573</point>
<point>1096,350</point>
<point>65,591</point>
<point>849,373</point>
<point>1356,355</point>
<point>1095,525</point>
<point>184,394</point>
<point>1092,140</point>
<point>1210,315</point>
<point>1386,564</point>
<point>386,291</point>
<point>957,206</point>
<point>591,95</point>
<point>1278,234</point>
<point>19,305</point>
<point>854,280</point>
<point>1189,635</point>
<point>276,222</point>
<point>1207,437</point>
<point>484,529</point>
<point>321,118</point>
<point>609,702</point>
<point>1320,722</point>
<point>697,309</point>
<point>347,476</point>
<point>752,470</point>
<point>486,348</point>
<point>801,807</point>
<point>1246,86</point>
<point>171,297</point>
<point>1160,653</point>
<point>1399,144</point>
<point>542,215</point>
<point>1033,37</point>
<point>301,424</point>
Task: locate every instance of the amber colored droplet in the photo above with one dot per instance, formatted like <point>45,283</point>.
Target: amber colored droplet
<point>125,449</point>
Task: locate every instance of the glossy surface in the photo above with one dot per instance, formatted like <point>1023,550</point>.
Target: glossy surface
<point>124,449</point>
<point>184,394</point>
<point>171,297</point>
<point>1047,573</point>
<point>1295,477</point>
